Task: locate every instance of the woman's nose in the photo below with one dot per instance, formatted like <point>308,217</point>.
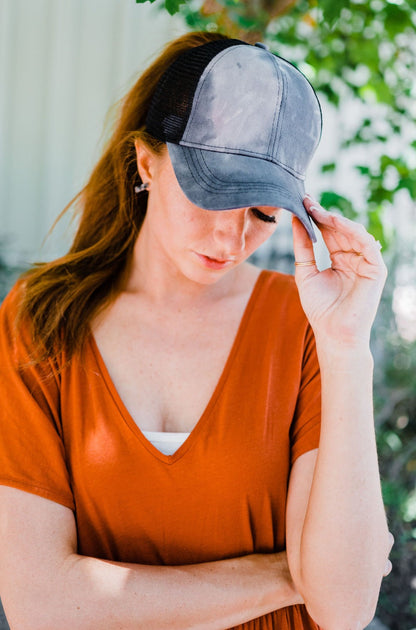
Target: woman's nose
<point>230,230</point>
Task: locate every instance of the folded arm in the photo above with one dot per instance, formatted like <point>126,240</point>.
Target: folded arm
<point>45,584</point>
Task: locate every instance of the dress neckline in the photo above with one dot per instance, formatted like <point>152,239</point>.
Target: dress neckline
<point>201,423</point>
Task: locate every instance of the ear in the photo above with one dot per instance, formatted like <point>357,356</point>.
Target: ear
<point>145,161</point>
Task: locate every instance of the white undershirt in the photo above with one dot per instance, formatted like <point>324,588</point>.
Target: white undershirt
<point>165,441</point>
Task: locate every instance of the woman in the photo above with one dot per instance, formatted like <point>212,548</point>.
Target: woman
<point>160,462</point>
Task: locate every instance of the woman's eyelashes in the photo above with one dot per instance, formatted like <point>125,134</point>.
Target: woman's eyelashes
<point>263,217</point>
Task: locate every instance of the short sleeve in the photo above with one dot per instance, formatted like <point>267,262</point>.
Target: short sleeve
<point>32,454</point>
<point>305,429</point>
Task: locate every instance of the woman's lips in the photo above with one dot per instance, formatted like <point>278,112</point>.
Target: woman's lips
<point>214,263</point>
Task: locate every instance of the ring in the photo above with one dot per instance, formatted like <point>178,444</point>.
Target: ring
<point>307,263</point>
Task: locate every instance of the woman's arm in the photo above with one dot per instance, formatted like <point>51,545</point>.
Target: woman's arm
<point>338,540</point>
<point>44,584</point>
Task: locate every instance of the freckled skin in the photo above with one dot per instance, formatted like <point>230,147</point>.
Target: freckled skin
<point>175,230</point>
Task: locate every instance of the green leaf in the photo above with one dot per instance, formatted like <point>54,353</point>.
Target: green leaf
<point>410,507</point>
<point>378,194</point>
<point>397,19</point>
<point>364,170</point>
<point>328,168</point>
<point>393,494</point>
<point>375,226</point>
<point>332,10</point>
<point>409,184</point>
<point>172,6</point>
<point>332,200</point>
<point>332,96</point>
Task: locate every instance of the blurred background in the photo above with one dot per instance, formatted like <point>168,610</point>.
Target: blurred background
<point>64,64</point>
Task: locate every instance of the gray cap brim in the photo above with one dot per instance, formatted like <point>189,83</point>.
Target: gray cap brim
<point>215,180</point>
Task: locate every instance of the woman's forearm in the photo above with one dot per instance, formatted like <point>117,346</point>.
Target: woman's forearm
<point>88,593</point>
<point>344,543</point>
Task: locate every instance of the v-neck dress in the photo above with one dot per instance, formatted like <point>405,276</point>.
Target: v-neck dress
<point>66,435</point>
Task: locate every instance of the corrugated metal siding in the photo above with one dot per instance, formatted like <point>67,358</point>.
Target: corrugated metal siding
<point>63,63</point>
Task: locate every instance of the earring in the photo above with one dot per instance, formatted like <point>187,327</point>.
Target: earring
<point>141,188</point>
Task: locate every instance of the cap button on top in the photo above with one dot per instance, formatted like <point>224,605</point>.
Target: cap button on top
<point>261,45</point>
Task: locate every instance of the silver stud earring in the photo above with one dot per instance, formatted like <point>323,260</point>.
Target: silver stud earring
<point>142,187</point>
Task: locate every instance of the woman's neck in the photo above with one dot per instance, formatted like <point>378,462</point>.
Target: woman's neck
<point>152,274</point>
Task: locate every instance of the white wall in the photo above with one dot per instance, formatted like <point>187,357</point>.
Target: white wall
<point>63,64</point>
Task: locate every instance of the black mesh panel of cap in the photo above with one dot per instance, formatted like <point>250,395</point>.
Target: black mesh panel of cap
<point>171,103</point>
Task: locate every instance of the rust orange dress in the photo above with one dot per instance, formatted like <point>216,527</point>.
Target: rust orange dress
<point>67,436</point>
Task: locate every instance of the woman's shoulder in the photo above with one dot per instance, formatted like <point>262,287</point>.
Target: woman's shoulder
<point>10,306</point>
<point>16,334</point>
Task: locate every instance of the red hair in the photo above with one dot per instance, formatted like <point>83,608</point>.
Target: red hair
<point>61,297</point>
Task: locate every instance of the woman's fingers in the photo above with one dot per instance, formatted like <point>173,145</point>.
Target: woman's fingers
<point>341,233</point>
<point>345,296</point>
<point>333,233</point>
<point>389,566</point>
<point>304,254</point>
<point>349,244</point>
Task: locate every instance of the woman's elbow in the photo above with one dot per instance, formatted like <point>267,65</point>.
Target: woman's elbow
<point>338,623</point>
<point>23,613</point>
<point>349,617</point>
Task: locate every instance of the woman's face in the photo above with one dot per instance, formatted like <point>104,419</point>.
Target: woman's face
<point>200,244</point>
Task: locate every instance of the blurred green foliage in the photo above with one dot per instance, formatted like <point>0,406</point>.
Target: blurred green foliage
<point>172,6</point>
<point>395,407</point>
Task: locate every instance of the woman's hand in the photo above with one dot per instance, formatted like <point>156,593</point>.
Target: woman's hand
<point>388,568</point>
<point>282,578</point>
<point>340,302</point>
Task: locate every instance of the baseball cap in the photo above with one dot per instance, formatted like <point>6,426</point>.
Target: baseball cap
<point>241,125</point>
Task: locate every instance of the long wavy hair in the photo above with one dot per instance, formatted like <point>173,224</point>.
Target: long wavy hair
<point>60,298</point>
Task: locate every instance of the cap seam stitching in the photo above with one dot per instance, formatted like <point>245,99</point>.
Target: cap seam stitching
<point>272,144</point>
<point>282,112</point>
<point>230,187</point>
<point>221,181</point>
<point>266,158</point>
